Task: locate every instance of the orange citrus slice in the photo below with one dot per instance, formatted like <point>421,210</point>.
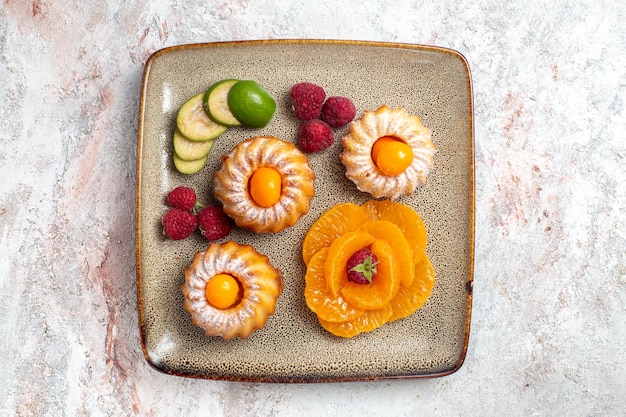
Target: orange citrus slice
<point>335,222</point>
<point>318,298</point>
<point>383,287</point>
<point>407,219</point>
<point>409,300</point>
<point>339,253</point>
<point>390,233</point>
<point>366,322</point>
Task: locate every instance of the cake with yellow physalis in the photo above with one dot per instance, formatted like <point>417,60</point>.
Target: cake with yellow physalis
<point>388,153</point>
<point>366,266</point>
<point>230,290</point>
<point>265,184</point>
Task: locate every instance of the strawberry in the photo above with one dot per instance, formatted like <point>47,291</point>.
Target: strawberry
<point>179,224</point>
<point>183,198</point>
<point>362,267</point>
<point>213,223</point>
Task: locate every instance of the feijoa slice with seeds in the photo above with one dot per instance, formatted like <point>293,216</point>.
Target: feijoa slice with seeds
<point>215,103</point>
<point>189,167</point>
<point>193,122</point>
<point>190,150</point>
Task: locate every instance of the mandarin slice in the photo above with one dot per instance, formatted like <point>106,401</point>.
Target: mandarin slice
<point>391,233</point>
<point>407,219</point>
<point>333,223</point>
<point>318,297</point>
<point>383,287</point>
<point>338,254</point>
<point>366,322</point>
<point>409,300</point>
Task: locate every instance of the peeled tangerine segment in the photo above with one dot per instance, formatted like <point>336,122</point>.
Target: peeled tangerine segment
<point>403,216</point>
<point>318,297</point>
<point>335,222</point>
<point>409,300</point>
<point>366,322</point>
<point>193,122</point>
<point>383,287</point>
<point>339,253</point>
<point>391,233</point>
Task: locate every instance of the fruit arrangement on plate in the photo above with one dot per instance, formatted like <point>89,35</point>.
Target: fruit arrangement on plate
<point>366,265</point>
<point>207,115</point>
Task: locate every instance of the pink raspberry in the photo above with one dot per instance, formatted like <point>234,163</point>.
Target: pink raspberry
<point>338,111</point>
<point>315,136</point>
<point>183,198</point>
<point>307,100</point>
<point>179,224</point>
<point>213,223</point>
<point>362,267</point>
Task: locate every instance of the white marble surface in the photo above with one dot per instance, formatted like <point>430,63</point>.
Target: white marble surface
<point>548,333</point>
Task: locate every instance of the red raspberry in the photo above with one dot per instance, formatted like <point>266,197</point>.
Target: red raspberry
<point>179,224</point>
<point>362,267</point>
<point>214,224</point>
<point>315,136</point>
<point>338,111</point>
<point>307,100</point>
<point>183,198</point>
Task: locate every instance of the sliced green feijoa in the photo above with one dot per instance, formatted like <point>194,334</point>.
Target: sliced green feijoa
<point>251,104</point>
<point>193,122</point>
<point>216,103</point>
<point>189,167</point>
<point>190,150</point>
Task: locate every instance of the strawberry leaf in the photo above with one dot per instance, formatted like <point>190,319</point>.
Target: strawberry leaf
<point>367,268</point>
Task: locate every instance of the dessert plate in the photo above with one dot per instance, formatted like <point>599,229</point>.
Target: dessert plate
<point>432,82</point>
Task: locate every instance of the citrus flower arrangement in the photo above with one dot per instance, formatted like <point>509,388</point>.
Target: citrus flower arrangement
<point>366,266</point>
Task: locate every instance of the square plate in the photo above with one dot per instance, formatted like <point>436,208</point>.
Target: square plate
<point>432,82</point>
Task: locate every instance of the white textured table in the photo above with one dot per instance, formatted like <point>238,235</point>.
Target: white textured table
<point>549,315</point>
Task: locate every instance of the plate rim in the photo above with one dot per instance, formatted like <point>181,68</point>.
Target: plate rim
<point>469,284</point>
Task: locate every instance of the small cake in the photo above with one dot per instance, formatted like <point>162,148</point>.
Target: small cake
<point>388,153</point>
<point>265,184</point>
<point>230,290</point>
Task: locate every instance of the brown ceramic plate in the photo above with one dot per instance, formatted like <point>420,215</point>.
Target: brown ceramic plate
<point>431,82</point>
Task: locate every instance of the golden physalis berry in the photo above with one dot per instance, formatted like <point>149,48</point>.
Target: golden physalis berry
<point>391,155</point>
<point>265,186</point>
<point>222,291</point>
<point>380,144</point>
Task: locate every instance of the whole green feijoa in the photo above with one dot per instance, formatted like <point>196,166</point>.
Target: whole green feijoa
<point>251,104</point>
